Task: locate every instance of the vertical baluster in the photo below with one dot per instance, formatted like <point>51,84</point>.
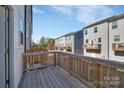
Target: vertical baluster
<point>70,65</point>
<point>29,63</point>
<point>24,62</point>
<point>59,59</point>
<point>55,59</point>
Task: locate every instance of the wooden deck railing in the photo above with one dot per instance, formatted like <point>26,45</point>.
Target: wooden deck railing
<point>92,47</point>
<point>92,71</point>
<point>37,60</point>
<point>36,49</point>
<point>118,46</point>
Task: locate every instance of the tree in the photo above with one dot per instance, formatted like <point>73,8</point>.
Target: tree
<point>33,44</point>
<point>46,43</point>
<point>50,43</point>
<point>43,43</point>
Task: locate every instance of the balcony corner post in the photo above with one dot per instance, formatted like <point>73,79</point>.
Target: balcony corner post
<point>54,58</point>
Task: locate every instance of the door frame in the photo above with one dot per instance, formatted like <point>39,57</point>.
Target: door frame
<point>10,45</point>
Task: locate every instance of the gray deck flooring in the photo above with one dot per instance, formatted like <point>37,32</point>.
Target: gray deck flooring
<point>50,77</point>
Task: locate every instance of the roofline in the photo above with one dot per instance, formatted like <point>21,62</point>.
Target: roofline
<point>121,16</point>
<point>65,35</point>
<point>98,22</point>
<point>109,19</point>
<point>68,34</point>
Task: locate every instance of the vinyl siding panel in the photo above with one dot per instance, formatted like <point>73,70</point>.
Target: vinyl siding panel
<point>18,48</point>
<point>118,31</point>
<point>101,33</point>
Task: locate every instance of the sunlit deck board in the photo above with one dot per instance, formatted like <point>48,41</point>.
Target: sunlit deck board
<point>50,77</point>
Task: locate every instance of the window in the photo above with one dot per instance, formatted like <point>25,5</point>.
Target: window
<point>95,29</point>
<point>99,39</point>
<point>114,25</point>
<point>92,42</point>
<point>65,38</point>
<point>119,53</point>
<point>21,37</point>
<point>85,32</point>
<point>86,40</point>
<point>117,38</point>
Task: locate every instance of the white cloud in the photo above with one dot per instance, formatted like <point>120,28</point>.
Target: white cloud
<point>85,14</point>
<point>37,11</point>
<point>88,14</point>
<point>68,10</point>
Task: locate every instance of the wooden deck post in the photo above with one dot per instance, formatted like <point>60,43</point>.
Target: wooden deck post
<point>70,64</point>
<point>58,58</point>
<point>24,63</point>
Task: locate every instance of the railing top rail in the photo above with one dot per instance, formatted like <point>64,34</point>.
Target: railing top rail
<point>92,44</point>
<point>36,53</point>
<point>98,60</point>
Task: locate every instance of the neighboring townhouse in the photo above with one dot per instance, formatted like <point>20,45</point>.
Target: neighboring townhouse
<point>96,39</point>
<point>15,20</point>
<point>116,38</point>
<point>70,42</point>
<point>60,43</point>
<point>78,42</point>
<point>105,39</point>
<point>65,43</point>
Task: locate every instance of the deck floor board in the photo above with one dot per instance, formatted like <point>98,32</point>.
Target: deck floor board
<point>49,77</point>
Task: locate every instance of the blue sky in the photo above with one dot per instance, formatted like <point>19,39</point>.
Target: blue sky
<point>54,21</point>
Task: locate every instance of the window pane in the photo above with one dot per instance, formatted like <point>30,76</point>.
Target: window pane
<point>86,40</point>
<point>117,38</point>
<point>85,32</point>
<point>95,29</point>
<point>99,39</point>
<point>114,24</point>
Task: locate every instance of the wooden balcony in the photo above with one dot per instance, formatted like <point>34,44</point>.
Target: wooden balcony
<point>60,69</point>
<point>36,49</point>
<point>92,47</point>
<point>68,49</point>
<point>118,46</point>
<point>49,77</point>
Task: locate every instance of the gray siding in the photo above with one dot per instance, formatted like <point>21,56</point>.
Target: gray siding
<point>78,41</point>
<point>18,47</point>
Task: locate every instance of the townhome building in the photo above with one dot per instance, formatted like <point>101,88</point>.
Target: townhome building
<point>116,38</point>
<point>70,42</point>
<point>78,42</point>
<point>60,43</point>
<point>15,33</point>
<point>96,40</point>
<point>104,39</point>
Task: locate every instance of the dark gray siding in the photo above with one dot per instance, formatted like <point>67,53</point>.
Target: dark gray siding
<point>78,36</point>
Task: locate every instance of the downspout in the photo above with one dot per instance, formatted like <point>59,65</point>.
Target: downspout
<point>31,25</point>
<point>108,38</point>
<point>25,31</point>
